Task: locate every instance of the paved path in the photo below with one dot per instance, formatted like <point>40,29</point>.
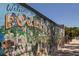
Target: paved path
<point>70,49</point>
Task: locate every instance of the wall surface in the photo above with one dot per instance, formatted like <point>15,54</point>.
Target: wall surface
<point>22,32</point>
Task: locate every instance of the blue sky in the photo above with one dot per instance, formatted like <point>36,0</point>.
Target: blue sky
<point>67,14</point>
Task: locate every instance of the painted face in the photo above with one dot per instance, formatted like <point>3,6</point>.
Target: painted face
<point>5,45</point>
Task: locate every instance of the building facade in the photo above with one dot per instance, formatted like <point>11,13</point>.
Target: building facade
<point>27,32</point>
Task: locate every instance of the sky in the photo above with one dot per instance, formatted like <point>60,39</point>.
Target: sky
<point>67,14</point>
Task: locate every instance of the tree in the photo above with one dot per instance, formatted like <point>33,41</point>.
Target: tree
<point>72,31</point>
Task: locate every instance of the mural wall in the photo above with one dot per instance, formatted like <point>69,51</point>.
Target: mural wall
<point>22,32</point>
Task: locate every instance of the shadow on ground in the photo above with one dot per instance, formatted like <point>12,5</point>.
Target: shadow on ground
<point>66,53</point>
<point>71,49</point>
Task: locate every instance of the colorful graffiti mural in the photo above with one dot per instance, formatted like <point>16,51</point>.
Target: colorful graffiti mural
<point>26,33</point>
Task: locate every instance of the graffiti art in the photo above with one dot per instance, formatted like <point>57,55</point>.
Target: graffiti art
<point>23,32</point>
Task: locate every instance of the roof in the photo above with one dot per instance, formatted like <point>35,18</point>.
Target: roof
<point>62,26</point>
<point>37,12</point>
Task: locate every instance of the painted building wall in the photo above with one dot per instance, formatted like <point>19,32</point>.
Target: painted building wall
<point>26,33</point>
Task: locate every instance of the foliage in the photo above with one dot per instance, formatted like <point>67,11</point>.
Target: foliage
<point>72,31</point>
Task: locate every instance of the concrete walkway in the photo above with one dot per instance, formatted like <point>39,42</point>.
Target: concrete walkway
<point>70,49</point>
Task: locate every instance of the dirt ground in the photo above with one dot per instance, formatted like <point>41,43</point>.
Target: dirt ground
<point>69,49</point>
